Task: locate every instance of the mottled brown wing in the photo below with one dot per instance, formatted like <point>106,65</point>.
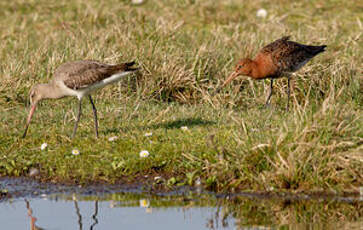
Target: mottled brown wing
<point>287,55</point>
<point>273,46</point>
<point>80,74</point>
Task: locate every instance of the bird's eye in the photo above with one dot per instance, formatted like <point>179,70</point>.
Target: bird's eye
<point>240,66</point>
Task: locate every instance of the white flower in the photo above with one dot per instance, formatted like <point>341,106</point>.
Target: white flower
<point>148,134</point>
<point>144,203</point>
<point>137,2</point>
<point>198,182</point>
<point>75,152</point>
<point>261,13</point>
<point>184,128</point>
<point>43,146</point>
<point>157,178</point>
<point>144,153</point>
<point>113,138</point>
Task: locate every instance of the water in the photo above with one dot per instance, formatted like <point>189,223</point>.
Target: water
<point>36,206</point>
<point>51,214</point>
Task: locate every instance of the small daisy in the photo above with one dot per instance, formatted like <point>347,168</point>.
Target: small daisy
<point>144,153</point>
<point>43,146</point>
<point>144,203</point>
<point>137,2</point>
<point>148,134</point>
<point>75,152</point>
<point>113,138</point>
<point>198,182</point>
<point>261,13</point>
<point>184,128</point>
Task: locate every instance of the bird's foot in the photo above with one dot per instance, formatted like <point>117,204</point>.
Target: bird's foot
<point>267,106</point>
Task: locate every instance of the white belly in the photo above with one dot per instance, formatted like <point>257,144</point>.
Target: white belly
<point>90,88</point>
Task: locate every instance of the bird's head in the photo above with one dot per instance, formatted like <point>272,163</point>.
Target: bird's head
<point>35,95</point>
<point>243,68</point>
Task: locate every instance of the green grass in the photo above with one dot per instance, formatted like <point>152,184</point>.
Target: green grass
<point>185,50</point>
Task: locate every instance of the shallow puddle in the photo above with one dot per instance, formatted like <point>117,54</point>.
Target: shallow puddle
<point>40,206</point>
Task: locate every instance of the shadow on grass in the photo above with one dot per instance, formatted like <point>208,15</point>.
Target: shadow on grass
<point>189,122</point>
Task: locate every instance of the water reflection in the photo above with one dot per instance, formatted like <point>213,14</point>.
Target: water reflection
<point>190,211</point>
<point>33,219</point>
<point>94,216</point>
<point>78,213</point>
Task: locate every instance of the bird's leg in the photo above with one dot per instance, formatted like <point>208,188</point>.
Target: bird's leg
<point>94,216</point>
<point>288,93</point>
<point>78,118</point>
<point>94,114</point>
<point>270,94</point>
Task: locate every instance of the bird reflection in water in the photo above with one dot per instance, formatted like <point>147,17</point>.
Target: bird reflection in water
<point>33,219</point>
<point>78,212</point>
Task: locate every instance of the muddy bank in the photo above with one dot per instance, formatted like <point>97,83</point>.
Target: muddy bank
<point>25,187</point>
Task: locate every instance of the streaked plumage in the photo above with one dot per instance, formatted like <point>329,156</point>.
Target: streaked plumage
<point>279,58</point>
<point>289,56</point>
<point>79,79</point>
<point>81,74</point>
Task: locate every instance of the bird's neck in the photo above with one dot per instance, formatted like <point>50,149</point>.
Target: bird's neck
<point>51,91</point>
<point>262,67</point>
<point>254,69</point>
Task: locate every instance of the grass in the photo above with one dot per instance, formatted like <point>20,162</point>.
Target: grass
<point>185,49</point>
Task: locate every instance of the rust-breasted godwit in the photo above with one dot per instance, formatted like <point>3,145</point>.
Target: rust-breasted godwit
<point>79,79</point>
<point>280,58</point>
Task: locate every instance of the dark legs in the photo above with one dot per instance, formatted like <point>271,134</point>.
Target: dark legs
<point>94,216</point>
<point>80,113</point>
<point>270,94</point>
<point>78,118</point>
<point>78,214</point>
<point>288,93</point>
<point>94,114</point>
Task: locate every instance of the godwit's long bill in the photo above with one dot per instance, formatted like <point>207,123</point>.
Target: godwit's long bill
<point>79,79</point>
<point>280,58</point>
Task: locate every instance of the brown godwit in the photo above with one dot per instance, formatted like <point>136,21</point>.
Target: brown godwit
<point>280,58</point>
<point>79,79</point>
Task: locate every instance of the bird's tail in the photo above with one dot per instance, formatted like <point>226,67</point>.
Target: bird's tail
<point>127,66</point>
<point>314,50</point>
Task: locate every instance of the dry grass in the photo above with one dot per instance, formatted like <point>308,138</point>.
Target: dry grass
<point>185,49</point>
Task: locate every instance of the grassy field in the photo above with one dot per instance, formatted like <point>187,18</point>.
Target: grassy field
<point>186,49</point>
